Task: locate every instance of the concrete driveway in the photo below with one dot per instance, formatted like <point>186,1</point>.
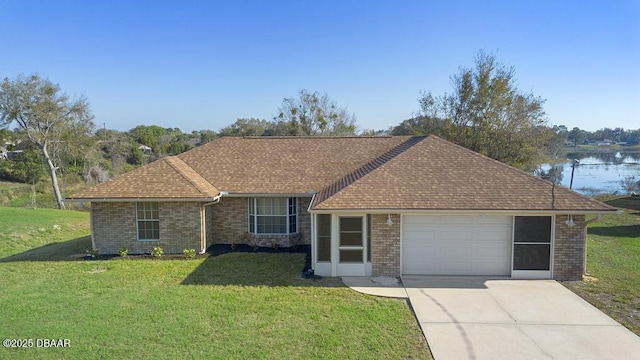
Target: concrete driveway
<point>480,318</point>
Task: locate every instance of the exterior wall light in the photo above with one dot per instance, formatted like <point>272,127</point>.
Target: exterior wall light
<point>389,221</point>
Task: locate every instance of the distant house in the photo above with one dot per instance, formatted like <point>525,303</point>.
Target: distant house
<point>145,149</point>
<point>365,206</point>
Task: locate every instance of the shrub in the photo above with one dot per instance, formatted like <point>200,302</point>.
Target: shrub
<point>124,252</point>
<point>189,253</point>
<point>93,253</point>
<point>157,252</point>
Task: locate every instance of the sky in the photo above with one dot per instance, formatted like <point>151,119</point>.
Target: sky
<point>203,64</point>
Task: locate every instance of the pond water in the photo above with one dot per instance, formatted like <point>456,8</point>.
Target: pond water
<point>599,173</point>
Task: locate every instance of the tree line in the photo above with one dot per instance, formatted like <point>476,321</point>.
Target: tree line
<point>56,135</point>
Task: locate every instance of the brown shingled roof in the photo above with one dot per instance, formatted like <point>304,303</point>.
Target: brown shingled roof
<point>434,174</point>
<point>283,165</point>
<point>349,173</point>
<point>167,178</point>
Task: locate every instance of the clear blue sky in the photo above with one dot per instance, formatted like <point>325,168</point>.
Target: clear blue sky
<point>201,65</point>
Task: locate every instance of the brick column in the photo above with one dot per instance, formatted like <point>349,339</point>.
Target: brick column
<point>569,248</point>
<point>385,245</point>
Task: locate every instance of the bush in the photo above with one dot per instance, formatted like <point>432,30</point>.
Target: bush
<point>189,253</point>
<point>95,174</point>
<point>124,252</point>
<point>93,253</point>
<point>157,252</point>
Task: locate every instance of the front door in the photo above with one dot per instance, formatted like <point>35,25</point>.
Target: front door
<point>351,246</point>
<point>532,250</point>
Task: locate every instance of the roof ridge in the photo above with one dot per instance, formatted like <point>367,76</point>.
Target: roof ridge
<point>353,176</point>
<point>251,137</point>
<point>180,166</point>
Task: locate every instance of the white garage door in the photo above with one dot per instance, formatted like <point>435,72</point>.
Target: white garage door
<point>456,245</point>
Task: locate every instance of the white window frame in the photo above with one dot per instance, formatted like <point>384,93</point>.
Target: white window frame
<point>138,220</point>
<point>252,214</point>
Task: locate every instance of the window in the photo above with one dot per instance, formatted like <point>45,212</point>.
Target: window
<point>324,237</point>
<point>273,215</point>
<point>148,221</point>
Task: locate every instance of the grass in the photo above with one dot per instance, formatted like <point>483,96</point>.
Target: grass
<point>613,263</point>
<point>13,194</point>
<point>237,305</point>
<point>22,229</point>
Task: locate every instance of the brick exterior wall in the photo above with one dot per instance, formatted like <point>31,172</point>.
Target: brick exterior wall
<point>227,223</point>
<point>569,248</point>
<point>114,227</point>
<point>385,245</point>
<point>304,221</point>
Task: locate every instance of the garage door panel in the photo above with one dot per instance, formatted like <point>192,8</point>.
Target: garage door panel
<point>456,245</point>
<point>492,252</point>
<point>464,253</point>
<point>453,220</point>
<point>447,235</point>
<point>493,220</point>
<point>451,267</point>
<point>492,235</point>
<point>418,220</point>
<point>416,267</point>
<point>418,235</point>
<point>490,269</point>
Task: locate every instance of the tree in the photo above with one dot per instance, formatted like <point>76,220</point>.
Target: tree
<point>73,146</point>
<point>630,184</point>
<point>247,127</point>
<point>115,147</point>
<point>28,166</point>
<point>577,136</point>
<point>315,114</point>
<point>418,125</point>
<point>42,112</point>
<point>204,136</point>
<point>148,135</point>
<point>487,113</point>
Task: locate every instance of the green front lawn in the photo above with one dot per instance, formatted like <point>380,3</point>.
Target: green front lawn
<point>613,263</point>
<point>238,305</point>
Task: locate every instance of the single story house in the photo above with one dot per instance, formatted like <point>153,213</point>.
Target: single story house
<point>365,205</point>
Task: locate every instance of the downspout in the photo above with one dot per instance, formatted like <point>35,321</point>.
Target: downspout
<point>203,223</point>
<point>313,232</point>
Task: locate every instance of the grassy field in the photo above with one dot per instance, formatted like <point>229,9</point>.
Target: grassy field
<point>238,305</point>
<point>613,263</point>
<point>22,229</point>
<point>13,194</point>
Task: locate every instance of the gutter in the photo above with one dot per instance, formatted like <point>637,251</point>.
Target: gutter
<point>216,199</point>
<point>269,194</point>
<point>140,199</point>
<point>460,211</point>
